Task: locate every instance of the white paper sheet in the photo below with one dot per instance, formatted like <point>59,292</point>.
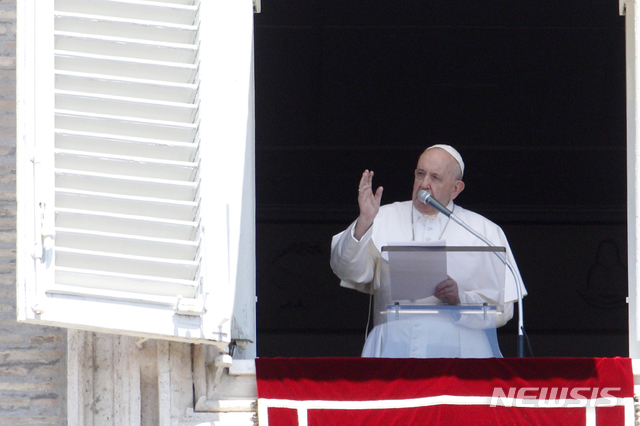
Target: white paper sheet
<point>415,272</point>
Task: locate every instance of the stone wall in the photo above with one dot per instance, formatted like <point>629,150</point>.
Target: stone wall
<point>32,359</point>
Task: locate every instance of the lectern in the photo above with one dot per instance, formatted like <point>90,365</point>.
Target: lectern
<point>418,325</point>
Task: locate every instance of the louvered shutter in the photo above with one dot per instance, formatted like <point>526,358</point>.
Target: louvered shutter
<point>135,166</point>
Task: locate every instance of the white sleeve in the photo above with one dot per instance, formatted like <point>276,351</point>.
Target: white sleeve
<point>513,277</point>
<point>351,260</point>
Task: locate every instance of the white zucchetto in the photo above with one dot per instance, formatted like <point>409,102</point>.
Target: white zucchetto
<point>455,154</point>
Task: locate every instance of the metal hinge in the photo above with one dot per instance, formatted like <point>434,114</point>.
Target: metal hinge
<point>47,236</point>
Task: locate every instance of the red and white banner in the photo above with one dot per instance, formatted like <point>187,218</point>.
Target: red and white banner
<point>494,391</point>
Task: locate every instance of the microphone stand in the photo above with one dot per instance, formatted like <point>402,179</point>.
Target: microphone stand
<point>427,198</point>
<point>504,260</point>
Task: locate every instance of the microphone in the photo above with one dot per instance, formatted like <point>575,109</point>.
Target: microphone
<point>428,199</point>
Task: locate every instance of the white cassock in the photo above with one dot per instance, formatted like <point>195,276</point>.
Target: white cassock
<point>360,265</point>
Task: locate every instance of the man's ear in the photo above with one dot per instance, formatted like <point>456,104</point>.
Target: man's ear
<point>457,189</point>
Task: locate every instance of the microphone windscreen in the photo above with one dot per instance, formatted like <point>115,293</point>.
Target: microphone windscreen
<point>423,195</point>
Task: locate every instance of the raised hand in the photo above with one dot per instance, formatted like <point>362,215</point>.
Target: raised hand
<point>369,203</point>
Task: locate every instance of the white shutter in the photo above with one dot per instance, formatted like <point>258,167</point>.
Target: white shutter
<point>135,135</point>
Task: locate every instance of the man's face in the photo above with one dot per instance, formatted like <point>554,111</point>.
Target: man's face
<point>437,173</point>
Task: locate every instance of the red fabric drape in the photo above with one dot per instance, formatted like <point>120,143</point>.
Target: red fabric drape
<point>371,391</point>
